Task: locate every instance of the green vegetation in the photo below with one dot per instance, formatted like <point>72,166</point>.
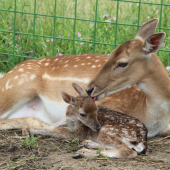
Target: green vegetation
<point>49,32</point>
<point>73,143</point>
<point>100,155</point>
<point>30,141</point>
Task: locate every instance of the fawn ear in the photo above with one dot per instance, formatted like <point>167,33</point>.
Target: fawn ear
<point>68,98</point>
<point>147,29</point>
<point>154,43</point>
<point>78,88</point>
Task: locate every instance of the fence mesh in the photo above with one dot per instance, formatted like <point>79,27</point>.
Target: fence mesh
<point>16,15</point>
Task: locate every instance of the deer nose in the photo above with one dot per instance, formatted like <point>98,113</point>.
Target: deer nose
<point>97,126</point>
<point>89,91</point>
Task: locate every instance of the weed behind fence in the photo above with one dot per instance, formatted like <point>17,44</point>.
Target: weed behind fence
<point>40,28</point>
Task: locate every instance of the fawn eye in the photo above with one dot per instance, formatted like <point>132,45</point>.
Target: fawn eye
<point>82,114</point>
<point>122,64</point>
<point>134,142</point>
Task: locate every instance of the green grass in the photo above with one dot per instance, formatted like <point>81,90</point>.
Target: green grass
<point>64,28</point>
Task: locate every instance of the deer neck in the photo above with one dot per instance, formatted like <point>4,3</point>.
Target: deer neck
<point>72,122</point>
<point>156,86</point>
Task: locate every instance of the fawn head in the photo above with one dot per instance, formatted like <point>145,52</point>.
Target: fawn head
<point>128,63</point>
<point>82,108</point>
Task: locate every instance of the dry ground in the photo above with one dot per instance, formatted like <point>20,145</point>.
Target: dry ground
<point>53,153</point>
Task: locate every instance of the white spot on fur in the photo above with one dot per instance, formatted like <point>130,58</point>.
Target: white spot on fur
<point>89,63</point>
<point>23,75</point>
<point>21,81</point>
<point>109,133</point>
<point>29,67</point>
<point>88,57</point>
<point>10,71</point>
<point>53,68</point>
<point>46,64</point>
<point>99,65</point>
<point>93,66</point>
<point>32,77</point>
<point>82,64</point>
<point>56,59</point>
<point>22,64</point>
<point>7,86</point>
<point>75,65</point>
<point>21,69</point>
<point>66,65</point>
<point>139,125</point>
<point>15,77</point>
<point>83,80</point>
<point>97,61</point>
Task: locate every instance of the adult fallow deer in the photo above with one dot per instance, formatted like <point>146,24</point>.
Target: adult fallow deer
<point>32,89</point>
<point>116,133</point>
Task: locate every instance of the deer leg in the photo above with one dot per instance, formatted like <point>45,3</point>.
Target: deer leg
<point>91,145</point>
<point>165,131</point>
<point>62,122</point>
<point>19,123</point>
<point>48,131</point>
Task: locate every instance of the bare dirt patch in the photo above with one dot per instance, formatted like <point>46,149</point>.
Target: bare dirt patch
<point>52,153</point>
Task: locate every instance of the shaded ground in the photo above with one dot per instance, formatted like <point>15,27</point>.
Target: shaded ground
<point>17,152</point>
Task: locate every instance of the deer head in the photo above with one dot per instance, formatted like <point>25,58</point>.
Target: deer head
<point>127,64</point>
<point>82,108</point>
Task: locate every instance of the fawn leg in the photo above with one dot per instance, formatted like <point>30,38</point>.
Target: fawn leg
<point>18,123</point>
<point>165,131</point>
<point>49,131</point>
<point>116,148</point>
<point>91,145</point>
<point>124,152</point>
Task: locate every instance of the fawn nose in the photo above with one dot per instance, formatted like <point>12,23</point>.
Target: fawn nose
<point>97,126</point>
<point>89,91</point>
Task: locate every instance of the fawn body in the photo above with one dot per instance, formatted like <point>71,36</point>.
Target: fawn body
<point>132,80</point>
<point>119,133</point>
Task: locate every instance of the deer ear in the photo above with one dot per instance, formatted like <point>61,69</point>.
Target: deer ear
<point>154,43</point>
<point>147,29</point>
<point>78,88</point>
<point>111,54</point>
<point>68,98</point>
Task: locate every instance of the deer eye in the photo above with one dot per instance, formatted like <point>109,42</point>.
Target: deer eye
<point>82,114</point>
<point>122,64</point>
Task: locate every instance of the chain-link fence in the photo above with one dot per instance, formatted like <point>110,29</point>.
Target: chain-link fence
<point>40,28</point>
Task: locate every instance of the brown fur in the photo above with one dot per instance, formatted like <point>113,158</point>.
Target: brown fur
<point>115,127</point>
<point>132,101</point>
